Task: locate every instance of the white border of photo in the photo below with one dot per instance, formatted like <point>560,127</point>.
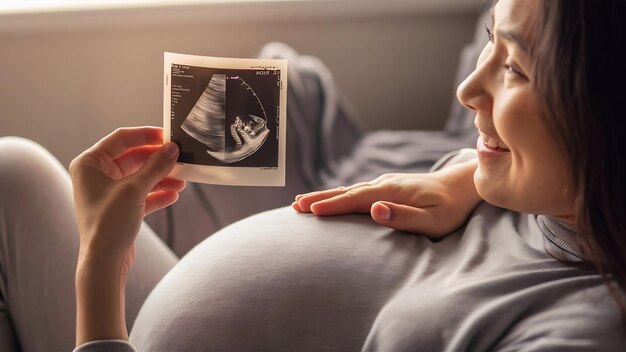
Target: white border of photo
<point>228,175</point>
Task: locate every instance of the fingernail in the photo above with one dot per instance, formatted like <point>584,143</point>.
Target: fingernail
<point>383,211</point>
<point>170,150</point>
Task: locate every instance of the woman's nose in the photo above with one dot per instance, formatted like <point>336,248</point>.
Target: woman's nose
<point>473,92</point>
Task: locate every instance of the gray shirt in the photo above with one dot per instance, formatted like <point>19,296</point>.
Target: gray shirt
<point>496,286</point>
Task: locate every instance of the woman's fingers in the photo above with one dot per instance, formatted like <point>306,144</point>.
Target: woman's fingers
<point>159,200</point>
<point>121,140</point>
<point>296,207</point>
<point>406,218</point>
<point>316,193</point>
<point>169,184</point>
<point>357,200</point>
<point>156,168</point>
<point>132,160</point>
<point>304,202</point>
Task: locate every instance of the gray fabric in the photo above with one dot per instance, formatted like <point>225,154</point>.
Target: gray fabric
<point>282,281</point>
<point>396,151</point>
<point>38,251</point>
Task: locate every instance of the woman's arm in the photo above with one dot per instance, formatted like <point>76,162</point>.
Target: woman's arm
<point>116,183</point>
<point>432,204</point>
<point>100,284</point>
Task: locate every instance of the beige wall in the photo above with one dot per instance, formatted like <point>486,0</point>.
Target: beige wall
<point>66,86</point>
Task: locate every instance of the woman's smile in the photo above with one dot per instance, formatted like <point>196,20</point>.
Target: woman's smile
<point>488,146</point>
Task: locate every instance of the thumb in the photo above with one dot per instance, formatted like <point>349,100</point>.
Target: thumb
<point>402,217</point>
<point>157,166</point>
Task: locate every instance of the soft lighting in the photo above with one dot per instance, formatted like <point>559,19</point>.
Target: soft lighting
<point>32,6</point>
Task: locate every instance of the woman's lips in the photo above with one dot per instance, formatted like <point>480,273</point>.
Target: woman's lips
<point>492,142</point>
<point>485,149</point>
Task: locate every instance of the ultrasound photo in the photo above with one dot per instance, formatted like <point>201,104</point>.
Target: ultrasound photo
<point>226,117</point>
<point>226,113</point>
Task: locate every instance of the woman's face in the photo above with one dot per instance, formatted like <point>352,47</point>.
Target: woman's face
<point>520,165</point>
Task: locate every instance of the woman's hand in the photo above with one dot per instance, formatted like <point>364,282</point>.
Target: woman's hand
<point>431,204</point>
<point>116,183</point>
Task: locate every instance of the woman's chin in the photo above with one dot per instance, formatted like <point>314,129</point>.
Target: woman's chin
<point>492,190</point>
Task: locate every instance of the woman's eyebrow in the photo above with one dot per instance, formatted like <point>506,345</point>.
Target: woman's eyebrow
<point>515,38</point>
<point>510,36</point>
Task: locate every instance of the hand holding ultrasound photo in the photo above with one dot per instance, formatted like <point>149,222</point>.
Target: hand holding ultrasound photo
<point>228,116</point>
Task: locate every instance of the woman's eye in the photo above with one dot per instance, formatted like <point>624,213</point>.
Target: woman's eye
<point>509,69</point>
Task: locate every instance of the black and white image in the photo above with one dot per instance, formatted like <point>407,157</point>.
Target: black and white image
<point>228,118</point>
<point>228,122</point>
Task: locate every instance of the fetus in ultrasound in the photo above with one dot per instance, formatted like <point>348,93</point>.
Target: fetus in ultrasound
<point>248,136</point>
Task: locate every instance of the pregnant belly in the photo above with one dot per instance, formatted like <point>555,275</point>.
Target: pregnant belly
<point>278,281</point>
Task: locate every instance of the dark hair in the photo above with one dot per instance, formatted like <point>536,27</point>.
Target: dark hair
<point>579,73</point>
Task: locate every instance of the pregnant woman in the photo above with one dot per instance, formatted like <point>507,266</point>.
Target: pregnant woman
<point>518,245</point>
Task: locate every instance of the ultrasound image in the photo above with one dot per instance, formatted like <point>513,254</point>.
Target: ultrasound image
<point>226,116</point>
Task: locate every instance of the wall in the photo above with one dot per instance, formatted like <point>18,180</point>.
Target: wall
<point>69,78</point>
